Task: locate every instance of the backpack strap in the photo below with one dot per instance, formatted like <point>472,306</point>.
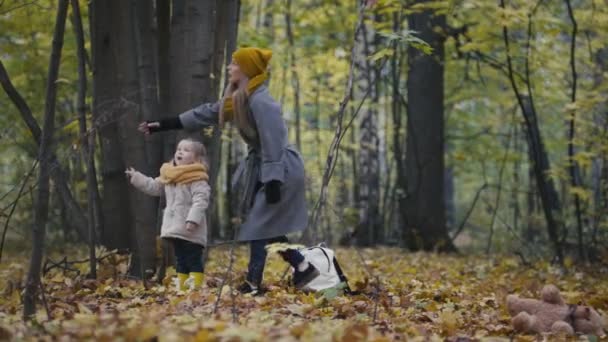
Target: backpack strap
<point>326,256</point>
<point>342,277</point>
<point>328,260</point>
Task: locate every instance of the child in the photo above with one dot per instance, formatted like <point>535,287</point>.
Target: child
<point>184,181</point>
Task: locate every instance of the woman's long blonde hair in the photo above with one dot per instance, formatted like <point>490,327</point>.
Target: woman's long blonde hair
<point>240,114</point>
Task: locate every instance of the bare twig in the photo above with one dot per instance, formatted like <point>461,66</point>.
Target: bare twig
<point>227,275</point>
<point>499,192</point>
<point>8,219</point>
<point>21,6</point>
<point>466,217</point>
<point>46,305</point>
<point>331,156</point>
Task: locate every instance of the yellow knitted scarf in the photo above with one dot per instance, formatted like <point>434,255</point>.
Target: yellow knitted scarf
<point>182,174</point>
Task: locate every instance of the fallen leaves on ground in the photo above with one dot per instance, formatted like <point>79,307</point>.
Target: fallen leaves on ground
<point>403,296</point>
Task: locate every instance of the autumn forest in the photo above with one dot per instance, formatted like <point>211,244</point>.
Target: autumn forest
<point>454,152</point>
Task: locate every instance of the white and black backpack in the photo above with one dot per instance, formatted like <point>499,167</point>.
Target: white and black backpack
<point>330,273</point>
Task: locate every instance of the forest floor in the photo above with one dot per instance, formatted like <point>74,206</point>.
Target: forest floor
<point>419,297</point>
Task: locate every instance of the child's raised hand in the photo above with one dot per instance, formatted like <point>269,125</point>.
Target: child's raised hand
<point>129,172</point>
<point>191,226</point>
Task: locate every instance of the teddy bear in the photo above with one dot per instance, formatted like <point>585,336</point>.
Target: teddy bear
<point>552,314</point>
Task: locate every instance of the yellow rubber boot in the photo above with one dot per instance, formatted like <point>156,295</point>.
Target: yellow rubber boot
<point>197,279</point>
<point>182,277</point>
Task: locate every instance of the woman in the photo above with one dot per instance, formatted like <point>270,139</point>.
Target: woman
<point>270,180</point>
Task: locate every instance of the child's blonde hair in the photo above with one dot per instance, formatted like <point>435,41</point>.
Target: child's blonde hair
<point>198,147</point>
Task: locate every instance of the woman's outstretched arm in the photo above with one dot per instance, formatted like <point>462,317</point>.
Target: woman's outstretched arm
<point>202,116</point>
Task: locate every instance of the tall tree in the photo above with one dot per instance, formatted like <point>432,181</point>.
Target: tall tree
<point>87,139</point>
<point>116,98</point>
<point>368,166</point>
<point>106,56</point>
<point>44,157</point>
<point>424,204</point>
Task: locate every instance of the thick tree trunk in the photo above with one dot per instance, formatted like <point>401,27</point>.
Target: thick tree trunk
<point>200,32</point>
<point>140,78</point>
<point>105,34</point>
<point>143,27</point>
<point>424,213</point>
<point>129,213</point>
<point>46,147</point>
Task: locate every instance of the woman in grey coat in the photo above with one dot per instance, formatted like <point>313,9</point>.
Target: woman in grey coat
<point>271,179</point>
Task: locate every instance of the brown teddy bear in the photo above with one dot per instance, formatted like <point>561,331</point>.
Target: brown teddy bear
<point>551,314</point>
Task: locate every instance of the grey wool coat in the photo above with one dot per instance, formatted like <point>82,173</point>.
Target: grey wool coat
<point>270,158</point>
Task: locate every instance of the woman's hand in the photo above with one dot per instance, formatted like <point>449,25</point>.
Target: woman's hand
<point>273,191</point>
<point>147,127</point>
<point>191,226</point>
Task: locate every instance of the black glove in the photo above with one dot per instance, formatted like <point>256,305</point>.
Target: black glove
<point>273,191</point>
<point>166,125</point>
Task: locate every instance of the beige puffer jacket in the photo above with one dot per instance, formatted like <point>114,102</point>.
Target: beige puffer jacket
<point>185,202</point>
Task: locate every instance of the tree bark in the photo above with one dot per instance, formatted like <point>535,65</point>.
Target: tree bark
<point>295,79</point>
<point>129,213</point>
<point>87,142</point>
<point>46,147</point>
<point>368,180</point>
<point>107,107</point>
<point>424,213</point>
<point>546,188</point>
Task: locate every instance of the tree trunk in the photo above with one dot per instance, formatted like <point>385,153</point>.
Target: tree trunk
<point>397,102</point>
<point>600,164</point>
<point>46,148</point>
<point>105,35</point>
<point>368,166</point>
<point>143,28</point>
<point>200,34</point>
<point>87,142</point>
<point>268,20</point>
<point>295,79</point>
<point>424,219</point>
<point>163,24</point>
<point>149,154</point>
<point>129,225</point>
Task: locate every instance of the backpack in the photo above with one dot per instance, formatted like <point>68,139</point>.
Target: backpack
<point>330,273</point>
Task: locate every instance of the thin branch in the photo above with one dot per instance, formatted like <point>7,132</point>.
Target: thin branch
<point>496,205</point>
<point>229,278</point>
<point>21,6</point>
<point>331,156</point>
<point>466,217</point>
<point>45,303</point>
<point>534,145</point>
<point>8,219</point>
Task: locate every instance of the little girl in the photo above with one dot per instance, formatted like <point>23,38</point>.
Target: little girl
<point>184,181</point>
